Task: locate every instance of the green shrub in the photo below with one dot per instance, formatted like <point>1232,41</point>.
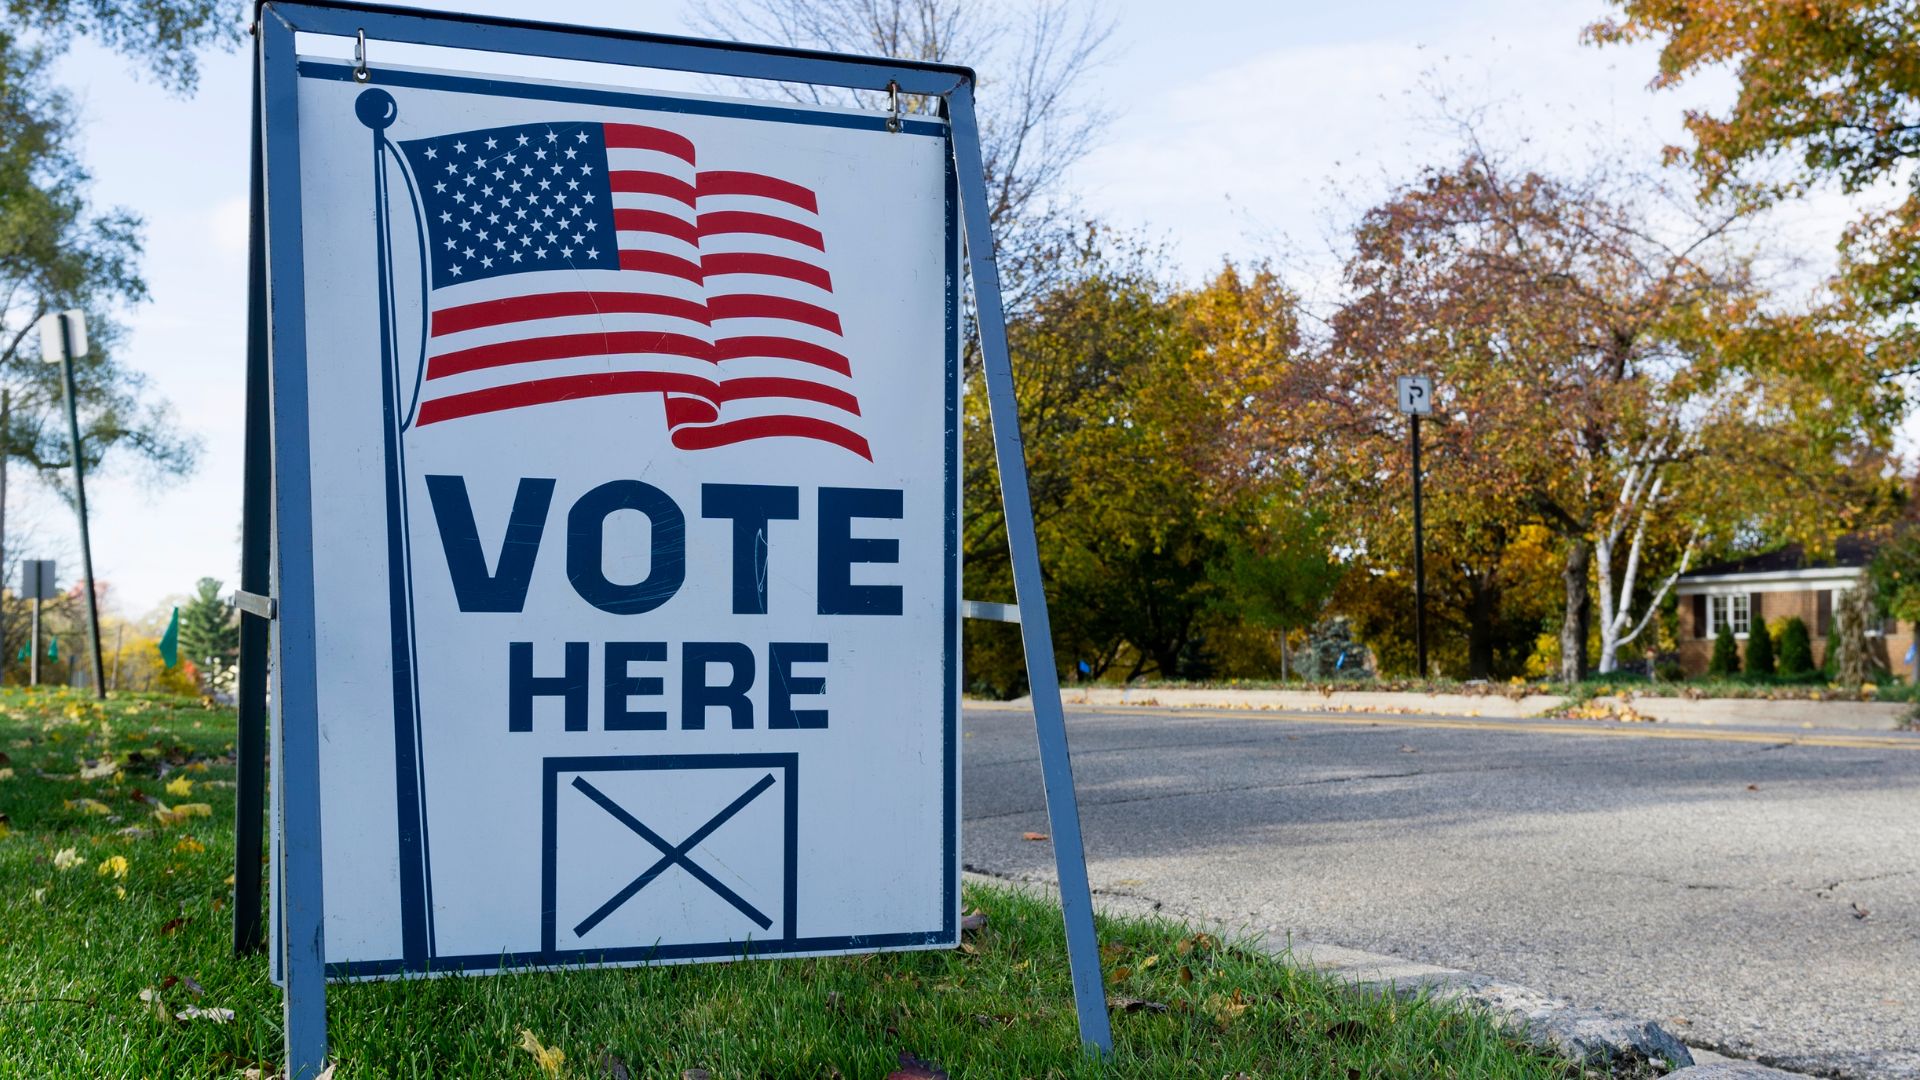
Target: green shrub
<point>1726,653</point>
<point>1796,651</point>
<point>1759,659</point>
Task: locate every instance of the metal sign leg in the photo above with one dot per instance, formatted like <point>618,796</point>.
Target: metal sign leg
<point>295,688</point>
<point>251,687</point>
<point>1063,812</point>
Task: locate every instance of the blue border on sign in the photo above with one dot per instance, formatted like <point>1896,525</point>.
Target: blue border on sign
<point>621,99</point>
<point>293,455</point>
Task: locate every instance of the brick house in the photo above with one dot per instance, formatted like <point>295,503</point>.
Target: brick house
<point>1774,586</point>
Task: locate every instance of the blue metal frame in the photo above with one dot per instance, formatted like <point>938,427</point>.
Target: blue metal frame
<point>298,853</point>
<point>297,685</point>
<point>1049,718</point>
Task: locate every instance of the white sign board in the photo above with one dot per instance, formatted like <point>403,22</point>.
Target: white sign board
<point>61,330</point>
<point>1416,394</point>
<point>633,425</point>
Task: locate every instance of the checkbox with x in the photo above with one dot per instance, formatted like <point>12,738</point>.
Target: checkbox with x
<point>675,851</point>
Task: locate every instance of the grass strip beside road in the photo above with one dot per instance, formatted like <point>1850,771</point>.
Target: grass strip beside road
<point>115,961</point>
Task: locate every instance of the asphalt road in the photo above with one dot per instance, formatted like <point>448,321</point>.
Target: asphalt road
<point>1759,896</point>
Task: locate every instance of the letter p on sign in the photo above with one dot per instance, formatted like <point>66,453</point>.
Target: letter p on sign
<point>1416,395</point>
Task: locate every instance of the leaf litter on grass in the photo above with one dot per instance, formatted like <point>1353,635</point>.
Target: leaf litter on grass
<point>1002,1007</point>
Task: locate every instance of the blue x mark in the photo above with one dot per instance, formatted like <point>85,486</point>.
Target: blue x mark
<point>672,854</point>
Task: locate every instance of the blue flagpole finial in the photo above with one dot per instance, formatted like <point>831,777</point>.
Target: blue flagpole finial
<point>376,109</point>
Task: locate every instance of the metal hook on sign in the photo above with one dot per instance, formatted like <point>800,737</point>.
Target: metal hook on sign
<point>360,72</point>
<point>893,106</point>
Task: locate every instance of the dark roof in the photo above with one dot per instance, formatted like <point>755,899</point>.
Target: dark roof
<point>1851,550</point>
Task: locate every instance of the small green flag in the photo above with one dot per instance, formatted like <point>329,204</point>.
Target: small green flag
<point>53,648</point>
<point>22,658</point>
<point>170,642</point>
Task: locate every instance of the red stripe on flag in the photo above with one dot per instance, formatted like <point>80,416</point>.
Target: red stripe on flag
<point>748,183</point>
<point>653,221</point>
<point>651,183</point>
<point>638,137</point>
<point>690,410</point>
<point>767,427</point>
<point>560,305</point>
<point>744,262</point>
<point>565,347</point>
<point>655,262</point>
<point>743,389</point>
<point>779,348</point>
<point>741,221</point>
<point>566,388</point>
<point>752,306</point>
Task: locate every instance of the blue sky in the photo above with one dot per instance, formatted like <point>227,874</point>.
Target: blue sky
<point>1240,129</point>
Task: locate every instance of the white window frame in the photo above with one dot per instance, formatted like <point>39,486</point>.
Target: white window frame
<point>1735,609</point>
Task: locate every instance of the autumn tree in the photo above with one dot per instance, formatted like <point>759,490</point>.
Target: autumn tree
<point>57,252</point>
<point>1598,376</point>
<point>1828,88</point>
<point>1036,119</point>
<point>1161,523</point>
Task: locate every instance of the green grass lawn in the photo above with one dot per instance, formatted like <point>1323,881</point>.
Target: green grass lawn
<point>109,888</point>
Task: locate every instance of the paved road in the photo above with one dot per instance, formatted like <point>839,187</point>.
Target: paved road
<point>1714,881</point>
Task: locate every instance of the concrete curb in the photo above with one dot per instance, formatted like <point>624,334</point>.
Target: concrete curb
<point>1731,1069</point>
<point>1380,701</point>
<point>1625,1046</point>
<point>1729,712</point>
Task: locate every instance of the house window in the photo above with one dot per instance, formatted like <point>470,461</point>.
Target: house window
<point>1735,612</point>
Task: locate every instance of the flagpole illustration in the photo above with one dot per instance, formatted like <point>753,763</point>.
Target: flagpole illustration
<point>377,110</point>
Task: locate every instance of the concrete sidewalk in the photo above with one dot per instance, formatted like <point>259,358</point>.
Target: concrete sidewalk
<point>1728,712</point>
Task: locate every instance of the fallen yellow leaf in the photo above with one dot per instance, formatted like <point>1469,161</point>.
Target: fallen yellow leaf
<point>115,865</point>
<point>549,1058</point>
<point>91,806</point>
<point>189,846</point>
<point>180,786</point>
<point>6,774</point>
<point>67,859</point>
<point>180,813</point>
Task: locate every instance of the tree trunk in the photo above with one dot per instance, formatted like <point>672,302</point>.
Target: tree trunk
<point>1481,610</point>
<point>1579,611</point>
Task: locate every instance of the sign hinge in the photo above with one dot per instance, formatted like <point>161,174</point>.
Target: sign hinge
<point>983,609</point>
<point>254,604</point>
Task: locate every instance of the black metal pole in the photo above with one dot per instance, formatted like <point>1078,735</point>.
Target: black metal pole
<point>80,504</point>
<point>250,745</point>
<point>1419,560</point>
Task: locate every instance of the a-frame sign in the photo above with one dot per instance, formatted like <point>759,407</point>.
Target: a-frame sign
<point>603,502</point>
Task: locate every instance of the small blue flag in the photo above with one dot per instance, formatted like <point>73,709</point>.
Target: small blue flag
<point>1085,670</point>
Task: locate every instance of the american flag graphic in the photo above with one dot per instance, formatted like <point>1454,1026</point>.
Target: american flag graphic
<point>577,260</point>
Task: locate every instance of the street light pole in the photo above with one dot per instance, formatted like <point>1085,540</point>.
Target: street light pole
<point>68,321</point>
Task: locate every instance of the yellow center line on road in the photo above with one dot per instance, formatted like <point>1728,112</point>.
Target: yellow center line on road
<point>1650,730</point>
